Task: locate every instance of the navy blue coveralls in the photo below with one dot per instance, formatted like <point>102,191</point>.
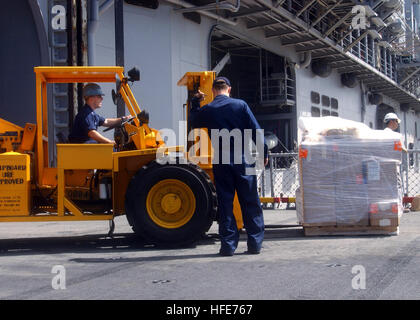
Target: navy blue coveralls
<point>228,113</point>
<point>86,120</point>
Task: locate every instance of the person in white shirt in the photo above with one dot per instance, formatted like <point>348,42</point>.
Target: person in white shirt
<point>391,121</point>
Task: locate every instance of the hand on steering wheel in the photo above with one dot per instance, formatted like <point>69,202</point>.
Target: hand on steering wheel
<point>123,121</point>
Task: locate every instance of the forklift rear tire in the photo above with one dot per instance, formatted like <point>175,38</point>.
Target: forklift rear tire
<point>172,205</point>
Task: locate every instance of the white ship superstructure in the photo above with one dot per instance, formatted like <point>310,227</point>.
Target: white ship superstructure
<point>288,58</point>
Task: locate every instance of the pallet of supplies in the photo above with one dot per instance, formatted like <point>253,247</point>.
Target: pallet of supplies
<point>349,178</point>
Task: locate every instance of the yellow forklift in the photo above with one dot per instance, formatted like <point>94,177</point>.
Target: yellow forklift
<point>172,203</point>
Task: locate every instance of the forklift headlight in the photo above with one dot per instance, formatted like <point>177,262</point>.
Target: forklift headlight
<point>134,74</point>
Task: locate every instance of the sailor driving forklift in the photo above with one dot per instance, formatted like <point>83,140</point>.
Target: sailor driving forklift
<point>228,113</point>
<point>87,121</point>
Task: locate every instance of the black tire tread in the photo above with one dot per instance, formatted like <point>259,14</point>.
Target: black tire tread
<point>194,169</point>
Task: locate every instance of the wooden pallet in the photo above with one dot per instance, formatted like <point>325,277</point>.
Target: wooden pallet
<point>349,230</point>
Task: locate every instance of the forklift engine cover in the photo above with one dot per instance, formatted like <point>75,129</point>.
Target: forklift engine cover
<point>14,184</point>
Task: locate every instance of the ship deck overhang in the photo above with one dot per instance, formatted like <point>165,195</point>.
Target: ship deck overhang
<point>271,25</point>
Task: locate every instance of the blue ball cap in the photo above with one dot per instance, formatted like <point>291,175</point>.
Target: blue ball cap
<point>92,89</point>
<point>221,80</point>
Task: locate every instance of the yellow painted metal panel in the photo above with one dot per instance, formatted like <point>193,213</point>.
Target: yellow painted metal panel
<point>131,97</point>
<point>132,153</point>
<point>184,81</point>
<point>8,143</point>
<point>28,137</point>
<point>60,191</point>
<point>44,123</point>
<point>201,147</point>
<point>14,184</point>
<point>52,217</point>
<point>49,177</point>
<point>77,157</point>
<point>128,163</point>
<point>237,212</point>
<point>134,110</point>
<point>8,126</point>
<point>39,151</point>
<point>72,207</point>
<point>84,156</point>
<point>78,74</point>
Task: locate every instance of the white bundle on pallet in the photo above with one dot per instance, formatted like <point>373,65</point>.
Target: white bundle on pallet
<point>349,174</point>
<point>317,129</point>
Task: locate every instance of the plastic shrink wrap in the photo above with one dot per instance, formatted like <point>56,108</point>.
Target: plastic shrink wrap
<point>349,174</point>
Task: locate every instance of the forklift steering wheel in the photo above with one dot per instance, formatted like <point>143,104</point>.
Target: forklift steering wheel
<point>119,125</point>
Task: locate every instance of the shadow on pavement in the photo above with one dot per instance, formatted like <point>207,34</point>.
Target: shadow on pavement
<point>120,242</point>
<point>90,243</point>
<point>125,242</point>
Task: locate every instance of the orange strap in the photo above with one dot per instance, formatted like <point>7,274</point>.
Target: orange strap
<point>397,146</point>
<point>303,153</point>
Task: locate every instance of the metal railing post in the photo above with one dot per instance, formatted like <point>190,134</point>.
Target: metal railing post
<point>271,174</point>
<point>263,182</point>
<point>407,157</point>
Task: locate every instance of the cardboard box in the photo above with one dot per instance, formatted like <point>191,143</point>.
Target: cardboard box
<point>349,170</point>
<point>384,214</point>
<point>380,149</point>
<point>342,176</point>
<point>319,205</point>
<point>376,221</point>
<point>318,165</point>
<point>351,208</point>
<point>382,180</point>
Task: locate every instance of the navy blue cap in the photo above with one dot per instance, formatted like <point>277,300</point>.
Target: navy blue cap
<point>92,89</point>
<point>221,80</point>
